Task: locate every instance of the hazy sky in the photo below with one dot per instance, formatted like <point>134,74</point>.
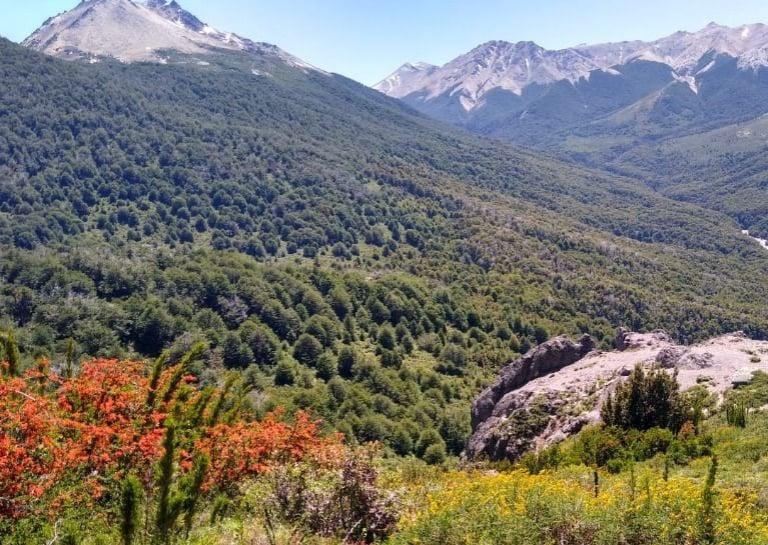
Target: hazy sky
<point>368,39</point>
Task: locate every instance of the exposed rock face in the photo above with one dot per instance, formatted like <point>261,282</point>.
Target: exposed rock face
<point>621,339</point>
<point>556,389</point>
<point>516,67</point>
<point>669,357</point>
<point>501,399</point>
<point>138,31</point>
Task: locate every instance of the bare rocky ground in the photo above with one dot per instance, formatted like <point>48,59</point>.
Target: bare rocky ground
<point>558,388</point>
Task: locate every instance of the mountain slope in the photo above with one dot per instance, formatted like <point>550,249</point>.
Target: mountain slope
<point>150,164</point>
<point>634,112</point>
<point>360,260</point>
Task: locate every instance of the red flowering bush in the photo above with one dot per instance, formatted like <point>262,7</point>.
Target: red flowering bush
<point>68,440</point>
<point>242,450</point>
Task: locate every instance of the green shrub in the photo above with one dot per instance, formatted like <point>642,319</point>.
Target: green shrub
<point>435,454</point>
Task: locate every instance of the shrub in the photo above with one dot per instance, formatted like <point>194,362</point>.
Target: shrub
<point>70,445</point>
<point>736,414</point>
<point>645,401</point>
<point>341,501</point>
<point>435,454</point>
<point>428,438</point>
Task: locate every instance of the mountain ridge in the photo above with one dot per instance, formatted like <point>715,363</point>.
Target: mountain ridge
<point>646,111</point>
<point>516,66</point>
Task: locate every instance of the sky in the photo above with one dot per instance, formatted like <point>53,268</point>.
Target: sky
<point>368,39</point>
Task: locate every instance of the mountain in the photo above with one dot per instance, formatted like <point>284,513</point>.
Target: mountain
<point>133,31</point>
<point>639,109</point>
<point>500,65</point>
<point>406,79</point>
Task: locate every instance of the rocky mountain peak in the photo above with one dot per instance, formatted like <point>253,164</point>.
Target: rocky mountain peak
<point>174,12</point>
<point>134,31</point>
<point>405,79</point>
<point>495,64</point>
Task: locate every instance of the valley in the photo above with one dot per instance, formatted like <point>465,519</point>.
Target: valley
<point>244,299</point>
<point>682,114</point>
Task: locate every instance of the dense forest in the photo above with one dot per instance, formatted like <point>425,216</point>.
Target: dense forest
<point>352,258</point>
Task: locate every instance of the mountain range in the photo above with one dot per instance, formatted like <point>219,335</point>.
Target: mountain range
<point>649,110</point>
<point>513,67</point>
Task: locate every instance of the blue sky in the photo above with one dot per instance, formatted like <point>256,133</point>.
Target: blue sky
<point>368,39</point>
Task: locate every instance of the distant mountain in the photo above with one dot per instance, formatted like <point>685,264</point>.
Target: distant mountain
<point>132,31</point>
<point>500,65</point>
<point>643,109</point>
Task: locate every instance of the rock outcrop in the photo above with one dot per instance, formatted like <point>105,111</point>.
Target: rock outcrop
<point>498,401</point>
<point>556,389</point>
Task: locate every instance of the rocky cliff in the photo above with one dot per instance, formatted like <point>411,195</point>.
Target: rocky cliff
<point>493,435</point>
<point>556,389</point>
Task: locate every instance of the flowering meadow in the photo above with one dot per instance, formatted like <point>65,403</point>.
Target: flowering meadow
<point>517,508</point>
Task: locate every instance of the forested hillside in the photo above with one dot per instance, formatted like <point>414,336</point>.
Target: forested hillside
<point>687,120</point>
<point>350,256</point>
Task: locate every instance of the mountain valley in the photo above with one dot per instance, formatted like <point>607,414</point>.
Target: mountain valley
<point>247,300</point>
<point>634,108</point>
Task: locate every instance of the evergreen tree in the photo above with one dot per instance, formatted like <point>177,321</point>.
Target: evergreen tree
<point>645,401</point>
<point>307,349</point>
<point>327,366</point>
<point>387,338</point>
<point>348,361</point>
<point>284,374</point>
